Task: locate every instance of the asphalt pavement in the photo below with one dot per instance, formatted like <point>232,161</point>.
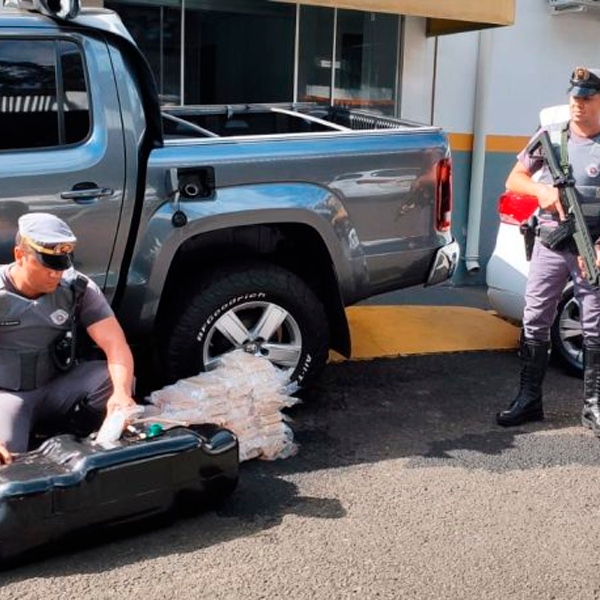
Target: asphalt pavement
<point>403,487</point>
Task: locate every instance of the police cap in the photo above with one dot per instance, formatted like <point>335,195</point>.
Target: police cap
<point>50,238</point>
<point>585,82</point>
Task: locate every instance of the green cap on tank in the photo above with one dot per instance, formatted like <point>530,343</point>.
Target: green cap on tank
<point>155,429</point>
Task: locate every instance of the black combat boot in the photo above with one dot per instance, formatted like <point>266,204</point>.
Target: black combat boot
<point>590,416</point>
<point>527,406</point>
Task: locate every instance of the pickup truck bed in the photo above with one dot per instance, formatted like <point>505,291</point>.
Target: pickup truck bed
<point>249,120</point>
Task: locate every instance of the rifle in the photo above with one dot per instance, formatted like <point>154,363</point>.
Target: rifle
<point>575,225</point>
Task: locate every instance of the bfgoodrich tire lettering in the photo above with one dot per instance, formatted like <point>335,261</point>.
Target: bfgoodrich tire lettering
<point>262,308</point>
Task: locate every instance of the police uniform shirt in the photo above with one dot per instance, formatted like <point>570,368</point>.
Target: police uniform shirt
<point>30,327</point>
<point>93,306</point>
<point>584,158</point>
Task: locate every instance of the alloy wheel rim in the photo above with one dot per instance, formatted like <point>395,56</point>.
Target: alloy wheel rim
<point>260,328</point>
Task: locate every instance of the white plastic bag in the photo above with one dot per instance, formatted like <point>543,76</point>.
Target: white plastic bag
<point>113,425</point>
<point>246,394</point>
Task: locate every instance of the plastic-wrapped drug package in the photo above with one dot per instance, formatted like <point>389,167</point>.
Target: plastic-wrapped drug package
<point>245,394</point>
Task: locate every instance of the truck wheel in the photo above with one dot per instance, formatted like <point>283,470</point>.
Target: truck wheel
<point>258,307</point>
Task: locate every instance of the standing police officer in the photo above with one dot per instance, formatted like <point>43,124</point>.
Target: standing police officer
<point>42,300</point>
<point>577,141</point>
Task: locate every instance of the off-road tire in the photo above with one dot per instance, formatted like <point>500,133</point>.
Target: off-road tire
<point>232,286</point>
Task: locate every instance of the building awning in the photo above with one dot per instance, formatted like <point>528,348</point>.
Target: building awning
<point>443,16</point>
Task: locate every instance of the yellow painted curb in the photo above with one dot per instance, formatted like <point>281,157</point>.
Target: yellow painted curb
<point>397,330</point>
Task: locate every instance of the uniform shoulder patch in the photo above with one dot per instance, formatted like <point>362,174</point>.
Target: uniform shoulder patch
<point>592,170</point>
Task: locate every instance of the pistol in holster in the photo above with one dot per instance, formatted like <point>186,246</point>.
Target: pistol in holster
<point>529,230</point>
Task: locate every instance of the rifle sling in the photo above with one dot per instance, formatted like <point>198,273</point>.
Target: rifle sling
<point>564,150</point>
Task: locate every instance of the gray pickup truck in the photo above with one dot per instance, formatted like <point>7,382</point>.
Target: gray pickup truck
<point>214,228</point>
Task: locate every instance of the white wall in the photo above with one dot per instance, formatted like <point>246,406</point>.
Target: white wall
<point>417,72</point>
<point>530,65</point>
<point>551,46</point>
<point>455,81</point>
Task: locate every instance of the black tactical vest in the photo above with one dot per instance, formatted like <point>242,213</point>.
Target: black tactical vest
<point>29,331</point>
<point>584,159</point>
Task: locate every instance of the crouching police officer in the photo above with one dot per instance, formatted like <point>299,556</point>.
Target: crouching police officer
<point>577,142</point>
<point>42,300</point>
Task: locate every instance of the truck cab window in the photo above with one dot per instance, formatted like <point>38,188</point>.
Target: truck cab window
<point>34,75</point>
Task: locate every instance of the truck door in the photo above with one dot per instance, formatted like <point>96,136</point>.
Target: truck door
<point>61,141</point>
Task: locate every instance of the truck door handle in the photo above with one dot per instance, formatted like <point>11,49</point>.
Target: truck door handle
<point>87,194</point>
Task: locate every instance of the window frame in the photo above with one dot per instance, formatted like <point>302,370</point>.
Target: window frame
<point>333,96</point>
<point>55,39</point>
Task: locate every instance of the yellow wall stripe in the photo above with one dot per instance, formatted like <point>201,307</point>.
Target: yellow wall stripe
<point>513,144</point>
<point>461,142</point>
<point>505,143</point>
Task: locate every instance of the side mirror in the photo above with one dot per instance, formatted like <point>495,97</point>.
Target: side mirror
<point>61,9</point>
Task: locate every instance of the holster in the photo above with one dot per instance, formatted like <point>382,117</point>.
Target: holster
<point>529,231</point>
<point>559,237</point>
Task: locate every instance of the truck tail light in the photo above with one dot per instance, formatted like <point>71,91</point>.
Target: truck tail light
<point>514,209</point>
<point>443,195</point>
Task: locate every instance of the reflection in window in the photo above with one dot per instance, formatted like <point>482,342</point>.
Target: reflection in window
<point>314,68</point>
<point>30,114</point>
<point>28,111</point>
<point>367,52</point>
<point>76,102</point>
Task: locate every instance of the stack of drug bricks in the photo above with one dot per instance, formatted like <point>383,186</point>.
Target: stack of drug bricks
<point>245,394</point>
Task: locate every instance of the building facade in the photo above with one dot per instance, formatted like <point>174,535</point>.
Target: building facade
<point>258,51</point>
<point>263,51</point>
<point>489,87</point>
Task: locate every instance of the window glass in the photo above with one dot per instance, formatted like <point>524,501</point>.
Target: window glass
<point>28,107</point>
<point>316,46</point>
<point>30,113</point>
<point>156,28</point>
<point>366,61</point>
<point>76,102</point>
<point>239,51</point>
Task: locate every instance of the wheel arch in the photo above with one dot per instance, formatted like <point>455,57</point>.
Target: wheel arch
<point>293,246</point>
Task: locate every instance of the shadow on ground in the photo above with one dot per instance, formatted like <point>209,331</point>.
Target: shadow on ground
<point>430,411</point>
<point>438,410</point>
<point>259,503</point>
